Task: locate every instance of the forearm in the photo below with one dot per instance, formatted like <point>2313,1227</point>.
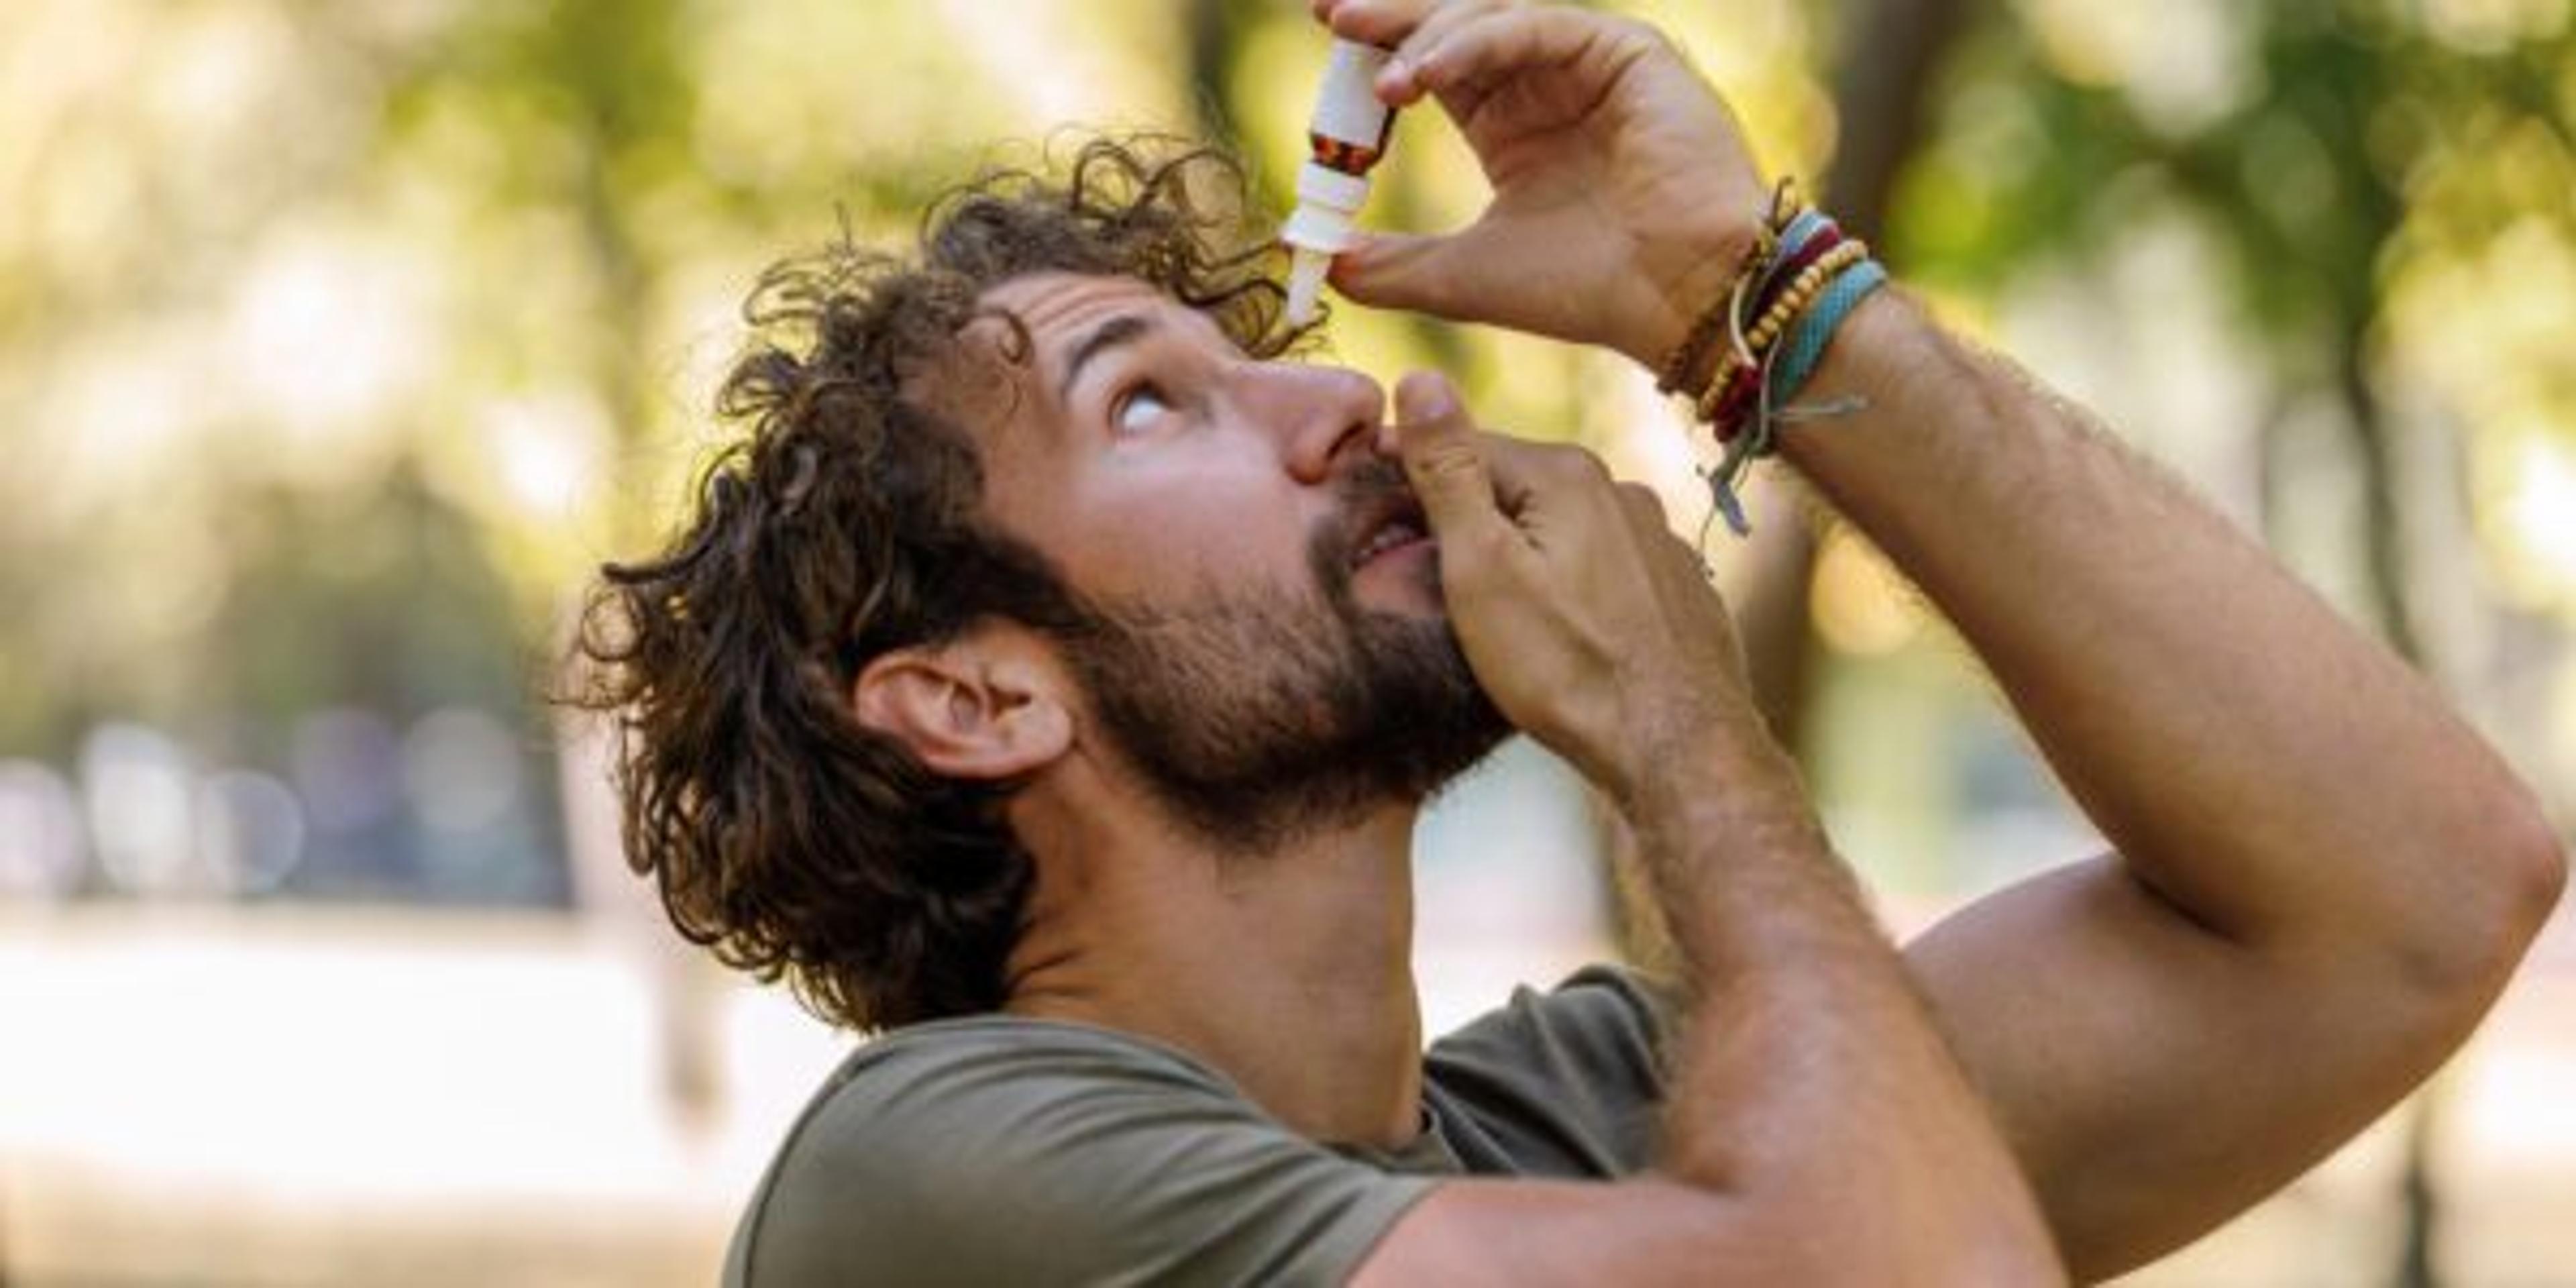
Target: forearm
<point>1808,1073</point>
<point>2253,758</point>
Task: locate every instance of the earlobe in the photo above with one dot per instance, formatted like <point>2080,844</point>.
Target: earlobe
<point>965,709</point>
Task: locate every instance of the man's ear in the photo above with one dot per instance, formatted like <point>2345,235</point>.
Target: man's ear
<point>984,706</point>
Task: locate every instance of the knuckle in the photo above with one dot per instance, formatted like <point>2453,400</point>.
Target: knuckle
<point>1642,500</point>
<point>1439,476</point>
<point>1517,458</point>
<point>1579,465</point>
<point>1449,460</point>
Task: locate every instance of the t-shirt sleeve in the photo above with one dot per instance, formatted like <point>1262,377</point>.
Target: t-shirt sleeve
<point>1566,1083</point>
<point>1056,1158</point>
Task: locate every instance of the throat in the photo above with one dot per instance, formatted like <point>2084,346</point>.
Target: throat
<point>1291,975</point>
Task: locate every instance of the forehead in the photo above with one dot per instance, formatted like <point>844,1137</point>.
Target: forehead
<point>1059,309</point>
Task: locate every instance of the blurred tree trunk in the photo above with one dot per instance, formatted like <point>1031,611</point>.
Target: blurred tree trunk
<point>2385,567</point>
<point>2390,605</point>
<point>2385,576</point>
<point>2418,1194</point>
<point>1211,33</point>
<point>1891,53</point>
<point>2367,432</point>
<point>2383,534</point>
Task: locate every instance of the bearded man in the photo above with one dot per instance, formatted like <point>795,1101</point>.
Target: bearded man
<point>1049,680</point>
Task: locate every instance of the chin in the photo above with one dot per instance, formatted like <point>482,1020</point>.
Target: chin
<point>1426,606</point>
<point>1402,586</point>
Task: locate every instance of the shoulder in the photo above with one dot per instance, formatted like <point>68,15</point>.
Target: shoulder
<point>999,1151</point>
<point>1603,1018</point>
<point>1568,1082</point>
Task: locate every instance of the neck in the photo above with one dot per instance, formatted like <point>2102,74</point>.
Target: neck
<point>1290,972</point>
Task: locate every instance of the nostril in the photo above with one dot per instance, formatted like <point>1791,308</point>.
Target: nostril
<point>1320,414</point>
<point>1356,437</point>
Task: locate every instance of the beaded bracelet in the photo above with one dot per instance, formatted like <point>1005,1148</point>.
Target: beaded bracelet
<point>1773,243</point>
<point>1807,237</point>
<point>1779,329</point>
<point>1801,282</point>
<point>1783,373</point>
<point>1792,303</point>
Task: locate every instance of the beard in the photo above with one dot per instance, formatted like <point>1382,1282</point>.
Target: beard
<point>1257,717</point>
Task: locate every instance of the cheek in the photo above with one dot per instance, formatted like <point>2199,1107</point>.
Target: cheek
<point>1177,529</point>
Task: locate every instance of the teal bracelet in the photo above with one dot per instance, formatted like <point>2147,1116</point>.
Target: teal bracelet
<point>1807,342</point>
<point>1791,366</point>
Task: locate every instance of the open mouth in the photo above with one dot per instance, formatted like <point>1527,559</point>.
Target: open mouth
<point>1396,525</point>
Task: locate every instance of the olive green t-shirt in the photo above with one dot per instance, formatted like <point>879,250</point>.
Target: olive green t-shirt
<point>997,1151</point>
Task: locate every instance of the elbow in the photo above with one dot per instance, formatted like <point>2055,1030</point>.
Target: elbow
<point>2508,874</point>
<point>2529,866</point>
<point>2540,866</point>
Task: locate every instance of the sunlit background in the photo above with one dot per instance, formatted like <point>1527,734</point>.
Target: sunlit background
<point>339,340</point>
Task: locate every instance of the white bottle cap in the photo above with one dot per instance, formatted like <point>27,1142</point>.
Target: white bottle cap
<point>1317,228</point>
<point>1322,185</point>
<point>1327,200</point>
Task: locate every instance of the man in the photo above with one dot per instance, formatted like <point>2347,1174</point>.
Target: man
<point>1051,679</point>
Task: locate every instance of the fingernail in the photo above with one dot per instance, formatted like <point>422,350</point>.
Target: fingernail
<point>1426,396</point>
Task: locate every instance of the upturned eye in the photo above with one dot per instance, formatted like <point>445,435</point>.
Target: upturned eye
<point>1139,408</point>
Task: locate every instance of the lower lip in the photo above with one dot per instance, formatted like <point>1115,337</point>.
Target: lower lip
<point>1416,546</point>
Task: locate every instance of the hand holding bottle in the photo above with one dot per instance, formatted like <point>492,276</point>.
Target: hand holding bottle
<point>1624,195</point>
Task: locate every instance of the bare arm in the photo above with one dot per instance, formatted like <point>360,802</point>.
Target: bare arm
<point>1820,1130</point>
<point>2323,877</point>
<point>2316,861</point>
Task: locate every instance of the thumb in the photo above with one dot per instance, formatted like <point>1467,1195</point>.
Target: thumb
<point>1411,271</point>
<point>1445,461</point>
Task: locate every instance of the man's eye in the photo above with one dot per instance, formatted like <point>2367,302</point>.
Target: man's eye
<point>1139,408</point>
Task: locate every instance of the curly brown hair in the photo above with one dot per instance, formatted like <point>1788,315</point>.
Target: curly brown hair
<point>843,523</point>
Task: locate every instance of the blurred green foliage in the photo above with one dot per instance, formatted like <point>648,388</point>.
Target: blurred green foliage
<point>339,342</point>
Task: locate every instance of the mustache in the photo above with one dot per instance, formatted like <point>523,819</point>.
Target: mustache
<point>1363,496</point>
<point>1370,483</point>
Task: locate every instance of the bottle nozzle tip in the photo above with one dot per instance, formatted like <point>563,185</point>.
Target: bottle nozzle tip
<point>1305,284</point>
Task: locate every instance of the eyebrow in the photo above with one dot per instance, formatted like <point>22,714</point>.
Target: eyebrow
<point>1125,328</point>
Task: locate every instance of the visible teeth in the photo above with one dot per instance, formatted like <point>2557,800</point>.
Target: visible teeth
<point>1388,538</point>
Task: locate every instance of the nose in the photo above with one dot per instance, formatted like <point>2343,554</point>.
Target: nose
<point>1318,414</point>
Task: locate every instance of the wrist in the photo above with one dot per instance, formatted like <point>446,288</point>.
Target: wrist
<point>1883,353</point>
<point>1695,266</point>
<point>1745,363</point>
<point>1674,769</point>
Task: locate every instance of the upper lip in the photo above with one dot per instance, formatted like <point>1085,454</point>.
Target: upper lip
<point>1393,510</point>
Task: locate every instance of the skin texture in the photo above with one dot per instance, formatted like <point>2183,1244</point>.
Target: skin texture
<point>2314,860</point>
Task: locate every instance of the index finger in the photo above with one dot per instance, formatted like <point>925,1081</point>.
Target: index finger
<point>1384,23</point>
<point>1448,461</point>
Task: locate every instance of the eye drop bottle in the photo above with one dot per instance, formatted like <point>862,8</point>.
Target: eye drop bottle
<point>1347,136</point>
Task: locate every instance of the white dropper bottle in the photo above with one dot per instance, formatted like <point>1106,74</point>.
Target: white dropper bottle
<point>1347,136</point>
